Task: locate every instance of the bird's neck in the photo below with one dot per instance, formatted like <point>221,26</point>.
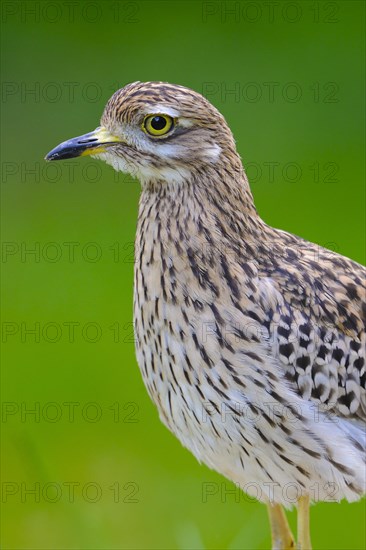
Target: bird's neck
<point>212,209</point>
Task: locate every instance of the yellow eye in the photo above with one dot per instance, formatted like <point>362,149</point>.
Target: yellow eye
<point>158,125</point>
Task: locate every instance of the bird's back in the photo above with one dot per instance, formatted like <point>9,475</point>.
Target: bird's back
<point>318,328</point>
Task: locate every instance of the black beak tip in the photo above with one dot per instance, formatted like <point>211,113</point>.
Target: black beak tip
<point>49,156</point>
<point>66,150</point>
<point>55,154</point>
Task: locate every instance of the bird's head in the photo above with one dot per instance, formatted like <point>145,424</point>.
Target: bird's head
<point>156,132</point>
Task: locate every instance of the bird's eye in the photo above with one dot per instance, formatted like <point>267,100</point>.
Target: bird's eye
<point>158,125</point>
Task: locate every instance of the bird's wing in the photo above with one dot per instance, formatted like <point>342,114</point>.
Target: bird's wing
<point>318,330</point>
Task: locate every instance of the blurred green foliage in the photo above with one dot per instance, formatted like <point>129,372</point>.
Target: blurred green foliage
<point>289,78</point>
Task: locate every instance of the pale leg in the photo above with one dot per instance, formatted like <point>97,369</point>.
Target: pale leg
<point>303,523</point>
<point>282,538</point>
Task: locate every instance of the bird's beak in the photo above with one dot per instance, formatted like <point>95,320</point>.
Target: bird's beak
<point>89,144</point>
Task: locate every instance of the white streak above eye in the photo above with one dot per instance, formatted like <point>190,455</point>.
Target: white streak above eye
<point>161,110</point>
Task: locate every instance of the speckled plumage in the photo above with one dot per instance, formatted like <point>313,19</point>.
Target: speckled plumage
<point>250,340</point>
<point>236,328</point>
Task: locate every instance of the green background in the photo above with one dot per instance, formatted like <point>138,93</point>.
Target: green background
<point>303,145</point>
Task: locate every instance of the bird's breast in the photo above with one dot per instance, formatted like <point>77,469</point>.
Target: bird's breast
<point>187,334</point>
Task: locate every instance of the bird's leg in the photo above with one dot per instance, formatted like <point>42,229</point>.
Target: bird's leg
<point>303,523</point>
<point>282,538</point>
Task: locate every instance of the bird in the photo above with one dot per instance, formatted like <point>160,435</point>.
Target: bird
<point>250,340</point>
